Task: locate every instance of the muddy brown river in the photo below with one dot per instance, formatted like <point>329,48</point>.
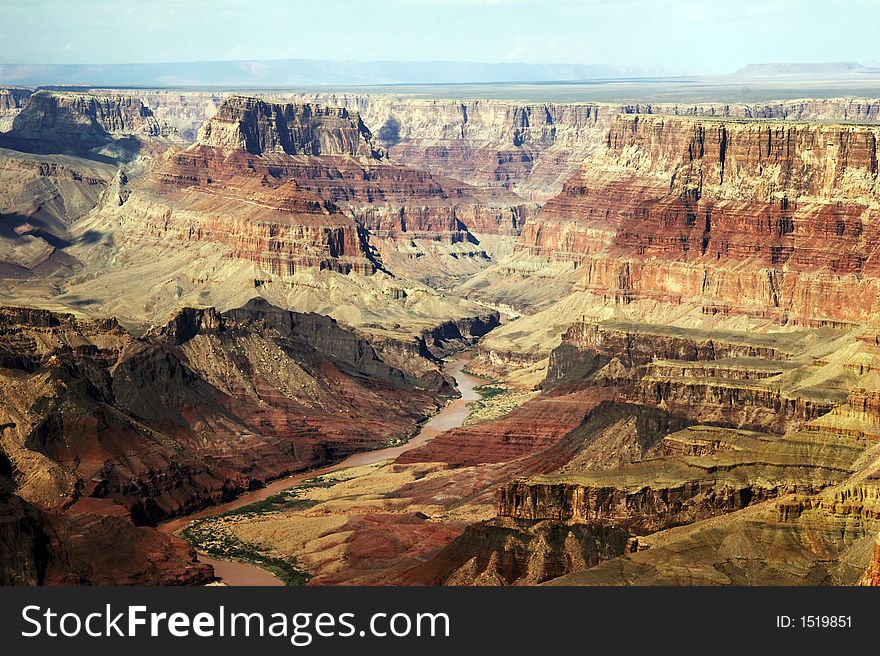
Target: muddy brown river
<point>451,416</point>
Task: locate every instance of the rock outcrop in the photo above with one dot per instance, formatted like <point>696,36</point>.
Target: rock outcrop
<point>532,148</point>
<point>507,552</point>
<point>194,412</point>
<point>82,119</point>
<point>306,186</point>
<point>49,549</point>
<point>573,522</point>
<point>768,219</point>
<point>257,127</point>
<point>527,148</point>
<point>11,102</point>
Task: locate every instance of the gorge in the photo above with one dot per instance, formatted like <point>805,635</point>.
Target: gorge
<point>241,318</point>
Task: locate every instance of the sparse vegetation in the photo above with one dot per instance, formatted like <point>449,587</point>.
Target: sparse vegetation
<point>211,537</point>
<point>214,535</point>
<point>496,399</point>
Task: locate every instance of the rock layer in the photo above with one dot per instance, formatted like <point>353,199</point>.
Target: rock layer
<point>84,120</point>
<point>193,413</point>
<point>765,219</point>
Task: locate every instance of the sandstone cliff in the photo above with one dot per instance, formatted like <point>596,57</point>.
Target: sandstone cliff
<point>194,412</point>
<point>253,125</point>
<point>83,119</point>
<point>532,148</point>
<point>305,186</point>
<point>11,102</point>
<point>768,219</point>
<point>527,148</point>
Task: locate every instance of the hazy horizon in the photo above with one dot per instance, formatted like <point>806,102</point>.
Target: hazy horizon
<point>718,38</point>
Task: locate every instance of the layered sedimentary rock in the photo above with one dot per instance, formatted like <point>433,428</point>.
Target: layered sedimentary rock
<point>84,120</point>
<point>303,186</point>
<point>529,429</point>
<point>13,98</point>
<point>271,221</point>
<point>734,379</point>
<point>872,573</point>
<point>64,155</point>
<point>692,477</point>
<point>255,126</point>
<point>527,148</point>
<point>532,148</point>
<point>658,493</point>
<point>768,219</point>
<point>506,552</point>
<point>49,549</point>
<point>205,407</point>
<point>821,539</point>
<point>41,197</point>
<point>11,102</point>
<point>386,523</point>
<point>807,109</point>
<point>859,416</point>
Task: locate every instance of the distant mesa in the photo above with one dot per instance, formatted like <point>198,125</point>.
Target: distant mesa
<point>116,125</point>
<point>826,69</point>
<point>290,72</point>
<point>256,126</point>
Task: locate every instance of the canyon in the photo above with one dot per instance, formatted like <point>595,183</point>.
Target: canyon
<point>671,309</point>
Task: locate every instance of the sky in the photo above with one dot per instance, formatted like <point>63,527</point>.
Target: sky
<point>712,36</point>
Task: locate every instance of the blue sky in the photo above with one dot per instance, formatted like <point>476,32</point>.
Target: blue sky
<point>714,36</point>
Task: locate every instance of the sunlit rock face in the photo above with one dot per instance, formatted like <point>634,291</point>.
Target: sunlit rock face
<point>684,387</point>
<point>771,219</point>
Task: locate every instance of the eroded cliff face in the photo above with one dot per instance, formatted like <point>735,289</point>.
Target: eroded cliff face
<point>269,219</point>
<point>83,119</point>
<point>65,155</point>
<point>306,186</point>
<point>581,521</point>
<point>49,549</point>
<point>728,378</point>
<point>527,148</point>
<point>532,148</point>
<point>185,111</point>
<point>810,109</point>
<point>196,411</point>
<point>253,125</point>
<point>11,102</point>
<point>508,552</point>
<point>769,219</point>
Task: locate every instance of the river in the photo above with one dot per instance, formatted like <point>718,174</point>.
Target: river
<point>451,416</point>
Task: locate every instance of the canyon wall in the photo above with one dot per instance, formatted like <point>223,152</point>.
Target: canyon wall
<point>529,148</point>
<point>533,147</point>
<point>79,118</point>
<point>310,186</point>
<point>768,219</point>
<point>11,102</point>
<point>255,126</point>
<point>209,405</point>
<point>50,549</point>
